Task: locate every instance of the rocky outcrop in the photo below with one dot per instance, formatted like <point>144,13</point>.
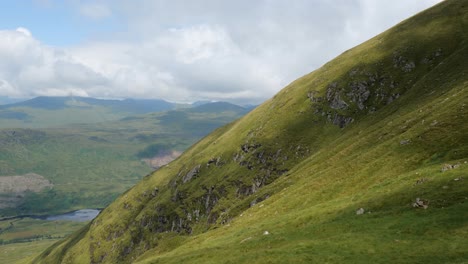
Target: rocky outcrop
<point>403,63</point>
<point>362,91</point>
<point>359,93</point>
<point>191,174</point>
<point>447,167</point>
<point>334,97</point>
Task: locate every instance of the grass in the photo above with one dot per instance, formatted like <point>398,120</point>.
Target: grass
<point>287,169</point>
<point>23,239</point>
<point>23,252</point>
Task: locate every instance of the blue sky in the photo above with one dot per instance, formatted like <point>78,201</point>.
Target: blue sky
<point>56,23</point>
<point>240,51</point>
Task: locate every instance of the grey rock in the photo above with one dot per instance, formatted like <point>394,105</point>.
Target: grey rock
<point>447,167</point>
<point>405,142</point>
<point>313,98</point>
<point>359,93</point>
<point>334,97</point>
<point>392,98</point>
<point>408,67</point>
<point>192,173</point>
<point>341,121</point>
<point>421,203</point>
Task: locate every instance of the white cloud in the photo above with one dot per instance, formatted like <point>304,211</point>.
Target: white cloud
<point>25,31</point>
<point>30,68</point>
<point>243,51</point>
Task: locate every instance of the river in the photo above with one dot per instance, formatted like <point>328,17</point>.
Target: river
<point>78,216</point>
<point>82,215</point>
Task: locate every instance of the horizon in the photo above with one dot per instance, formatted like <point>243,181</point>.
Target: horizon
<point>20,100</point>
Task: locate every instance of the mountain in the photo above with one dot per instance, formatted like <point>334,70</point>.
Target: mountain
<point>42,112</point>
<point>7,100</point>
<point>361,161</point>
<point>202,102</point>
<point>136,106</point>
<point>218,107</point>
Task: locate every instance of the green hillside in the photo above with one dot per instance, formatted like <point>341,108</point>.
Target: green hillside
<point>89,165</point>
<point>364,160</point>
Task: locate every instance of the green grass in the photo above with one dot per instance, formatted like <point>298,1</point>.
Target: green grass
<point>22,239</point>
<point>287,169</point>
<point>23,252</point>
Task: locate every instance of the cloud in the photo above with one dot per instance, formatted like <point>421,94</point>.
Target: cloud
<point>94,10</point>
<point>30,68</point>
<point>242,51</point>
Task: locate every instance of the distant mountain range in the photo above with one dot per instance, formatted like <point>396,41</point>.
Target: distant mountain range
<point>139,106</point>
<point>43,111</point>
<point>7,100</point>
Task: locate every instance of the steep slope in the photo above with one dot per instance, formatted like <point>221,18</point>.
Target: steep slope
<point>382,127</point>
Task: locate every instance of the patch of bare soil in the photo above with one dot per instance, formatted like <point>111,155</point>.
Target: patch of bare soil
<point>159,161</point>
<point>13,188</point>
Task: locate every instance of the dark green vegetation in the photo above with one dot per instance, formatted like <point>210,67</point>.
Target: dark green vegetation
<point>382,127</point>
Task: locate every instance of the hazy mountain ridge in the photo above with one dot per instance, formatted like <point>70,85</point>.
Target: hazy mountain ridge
<point>379,128</point>
<point>132,105</point>
<point>44,112</point>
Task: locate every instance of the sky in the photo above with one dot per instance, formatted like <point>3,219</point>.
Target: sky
<point>240,51</point>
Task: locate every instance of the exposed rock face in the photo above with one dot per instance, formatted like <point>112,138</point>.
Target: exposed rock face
<point>365,91</point>
<point>359,93</point>
<point>403,63</point>
<point>203,207</point>
<point>313,97</point>
<point>192,173</point>
<point>447,167</point>
<point>341,121</point>
<point>421,203</point>
<point>334,97</point>
<point>405,142</point>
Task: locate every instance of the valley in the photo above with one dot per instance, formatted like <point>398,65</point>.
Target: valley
<point>57,169</point>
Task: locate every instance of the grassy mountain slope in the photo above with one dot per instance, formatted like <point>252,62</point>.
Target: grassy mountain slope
<point>381,127</point>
